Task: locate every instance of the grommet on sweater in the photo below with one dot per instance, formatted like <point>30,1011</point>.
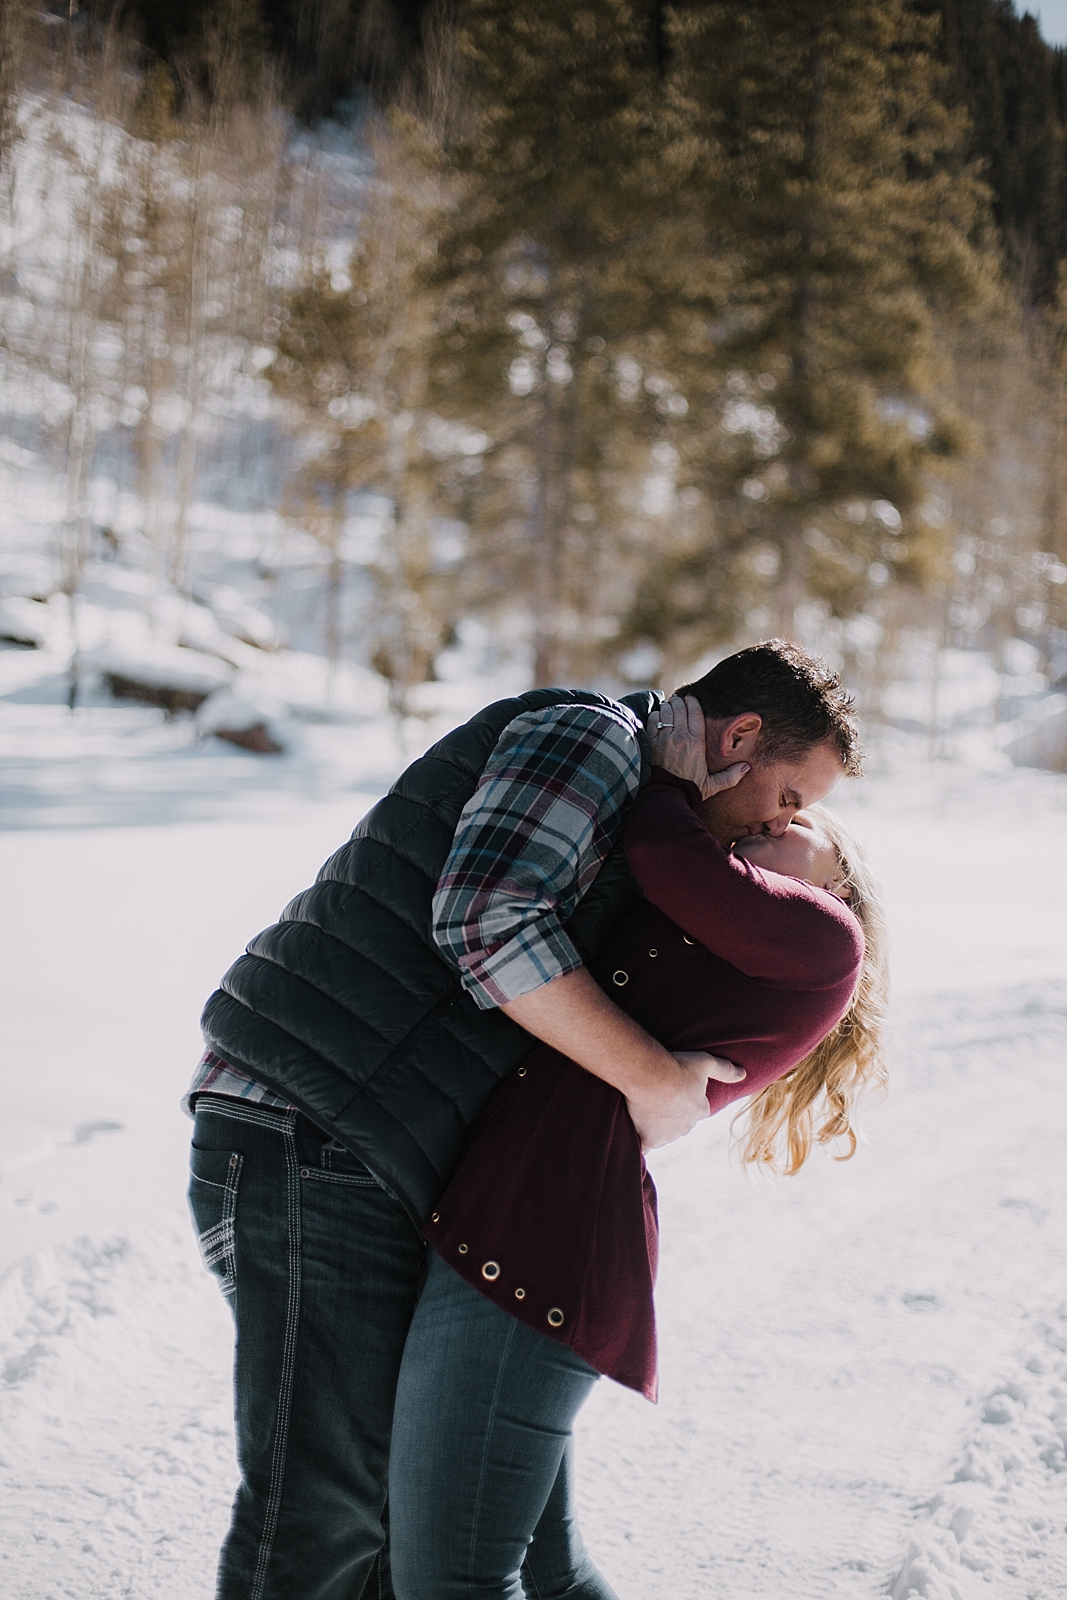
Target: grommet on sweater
<point>436,1217</point>
<point>653,952</point>
<point>687,940</point>
<point>621,978</point>
<point>463,1249</point>
<point>522,1072</point>
<point>555,1318</point>
<point>491,1270</point>
<point>520,1294</point>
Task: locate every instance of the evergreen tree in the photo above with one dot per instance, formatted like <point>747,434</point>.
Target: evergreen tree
<point>555,333</point>
<point>326,51</point>
<point>1014,87</point>
<point>216,48</point>
<point>837,191</point>
<point>330,53</point>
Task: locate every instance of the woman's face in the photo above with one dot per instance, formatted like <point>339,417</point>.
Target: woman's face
<point>802,851</point>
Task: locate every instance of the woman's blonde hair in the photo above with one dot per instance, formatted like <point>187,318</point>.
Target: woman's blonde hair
<point>814,1103</point>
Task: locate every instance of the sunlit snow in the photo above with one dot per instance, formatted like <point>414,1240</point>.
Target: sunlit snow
<point>863,1368</point>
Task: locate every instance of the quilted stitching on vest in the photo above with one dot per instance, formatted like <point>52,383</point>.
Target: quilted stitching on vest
<point>346,1007</point>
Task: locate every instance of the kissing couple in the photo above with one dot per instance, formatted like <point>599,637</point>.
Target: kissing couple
<point>572,930</point>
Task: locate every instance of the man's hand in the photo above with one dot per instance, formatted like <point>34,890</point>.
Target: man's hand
<point>665,1092</point>
<point>676,733</point>
<point>661,1120</point>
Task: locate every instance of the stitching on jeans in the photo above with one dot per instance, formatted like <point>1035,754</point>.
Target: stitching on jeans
<point>325,1176</point>
<point>218,1243</point>
<point>217,1251</point>
<point>285,1392</point>
<point>476,1515</point>
<point>279,1121</point>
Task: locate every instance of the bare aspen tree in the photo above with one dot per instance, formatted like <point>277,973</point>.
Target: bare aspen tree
<point>231,148</point>
<point>1052,556</point>
<point>1003,577</point>
<point>1005,571</point>
<point>232,161</point>
<point>16,47</point>
<point>352,367</point>
<point>85,119</point>
<point>144,221</point>
<point>16,20</point>
<point>188,236</point>
<point>140,244</point>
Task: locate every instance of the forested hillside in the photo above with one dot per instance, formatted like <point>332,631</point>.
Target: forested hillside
<point>619,331</point>
<point>1014,87</point>
<point>1012,83</point>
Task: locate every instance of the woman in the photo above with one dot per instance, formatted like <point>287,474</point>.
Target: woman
<point>545,1242</point>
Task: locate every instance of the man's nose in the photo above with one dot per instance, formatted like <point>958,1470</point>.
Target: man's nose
<point>778,826</point>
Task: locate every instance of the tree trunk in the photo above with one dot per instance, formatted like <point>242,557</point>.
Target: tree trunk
<point>199,246</point>
<point>556,450</point>
<point>335,581</point>
<point>805,294</point>
<point>790,591</point>
<point>548,574</point>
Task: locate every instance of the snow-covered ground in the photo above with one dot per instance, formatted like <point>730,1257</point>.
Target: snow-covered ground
<point>864,1368</point>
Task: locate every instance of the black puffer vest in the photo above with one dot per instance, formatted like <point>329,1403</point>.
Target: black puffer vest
<point>347,1008</point>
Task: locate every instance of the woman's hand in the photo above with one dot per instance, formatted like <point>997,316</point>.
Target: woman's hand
<point>676,732</point>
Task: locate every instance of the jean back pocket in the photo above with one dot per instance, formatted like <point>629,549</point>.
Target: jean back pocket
<point>213,1178</point>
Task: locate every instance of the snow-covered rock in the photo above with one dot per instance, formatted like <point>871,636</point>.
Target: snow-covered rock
<point>122,606</point>
<point>26,572</point>
<point>241,621</point>
<point>26,622</point>
<point>170,676</point>
<point>253,724</point>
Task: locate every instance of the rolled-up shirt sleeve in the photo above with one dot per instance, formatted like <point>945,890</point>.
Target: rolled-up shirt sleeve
<point>531,839</point>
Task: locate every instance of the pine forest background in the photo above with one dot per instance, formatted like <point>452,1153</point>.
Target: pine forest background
<point>593,336</point>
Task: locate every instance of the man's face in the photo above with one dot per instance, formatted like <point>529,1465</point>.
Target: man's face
<point>769,795</point>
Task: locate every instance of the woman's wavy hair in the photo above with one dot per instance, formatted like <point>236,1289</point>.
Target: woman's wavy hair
<point>815,1102</point>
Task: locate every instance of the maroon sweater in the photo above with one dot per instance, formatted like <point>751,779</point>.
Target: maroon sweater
<point>551,1212</point>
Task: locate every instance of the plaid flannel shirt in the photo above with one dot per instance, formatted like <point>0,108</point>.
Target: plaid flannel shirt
<point>530,841</point>
<point>215,1076</point>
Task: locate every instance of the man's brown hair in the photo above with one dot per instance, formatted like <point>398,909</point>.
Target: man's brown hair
<point>799,696</point>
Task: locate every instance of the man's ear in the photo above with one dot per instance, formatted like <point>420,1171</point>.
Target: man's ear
<point>738,738</point>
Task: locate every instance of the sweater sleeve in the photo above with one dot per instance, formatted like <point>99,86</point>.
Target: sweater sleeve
<point>769,926</point>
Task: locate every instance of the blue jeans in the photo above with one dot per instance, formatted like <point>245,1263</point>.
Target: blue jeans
<point>482,1471</point>
<point>321,1266</point>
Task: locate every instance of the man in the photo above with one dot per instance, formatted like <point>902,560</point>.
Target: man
<point>352,1044</point>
